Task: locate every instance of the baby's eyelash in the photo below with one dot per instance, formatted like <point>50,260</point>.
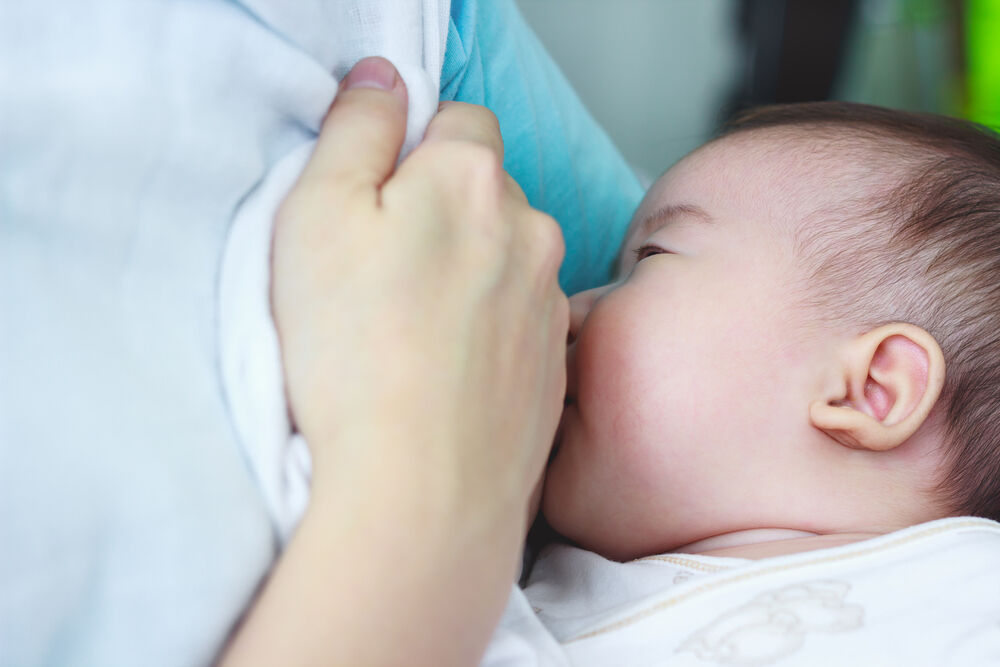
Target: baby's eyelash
<point>648,250</point>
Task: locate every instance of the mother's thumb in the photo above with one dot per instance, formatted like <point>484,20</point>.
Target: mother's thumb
<point>363,131</point>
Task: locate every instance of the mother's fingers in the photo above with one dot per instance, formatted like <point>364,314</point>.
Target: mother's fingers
<point>363,131</point>
<point>472,124</point>
<point>458,121</point>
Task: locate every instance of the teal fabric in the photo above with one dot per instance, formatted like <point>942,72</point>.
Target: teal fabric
<point>564,162</point>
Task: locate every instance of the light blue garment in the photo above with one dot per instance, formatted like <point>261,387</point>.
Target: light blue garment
<point>131,532</point>
<point>562,159</point>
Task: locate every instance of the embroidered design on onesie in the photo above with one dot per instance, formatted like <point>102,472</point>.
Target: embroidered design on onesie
<point>681,577</point>
<point>774,624</point>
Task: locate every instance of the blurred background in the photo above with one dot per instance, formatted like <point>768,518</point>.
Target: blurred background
<point>662,75</point>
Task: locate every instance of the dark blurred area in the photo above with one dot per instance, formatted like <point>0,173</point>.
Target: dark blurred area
<point>793,50</point>
<point>798,51</point>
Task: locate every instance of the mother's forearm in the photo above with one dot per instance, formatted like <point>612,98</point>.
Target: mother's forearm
<point>391,577</point>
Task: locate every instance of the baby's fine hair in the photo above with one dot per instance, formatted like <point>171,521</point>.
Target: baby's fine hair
<point>926,252</point>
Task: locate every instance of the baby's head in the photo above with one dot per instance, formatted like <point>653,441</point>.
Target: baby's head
<point>773,353</point>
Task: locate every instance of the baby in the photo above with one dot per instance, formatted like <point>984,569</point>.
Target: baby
<point>799,353</point>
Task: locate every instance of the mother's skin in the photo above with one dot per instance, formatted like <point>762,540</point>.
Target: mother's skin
<point>423,335</point>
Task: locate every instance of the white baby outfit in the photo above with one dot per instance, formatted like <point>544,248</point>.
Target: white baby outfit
<point>927,595</point>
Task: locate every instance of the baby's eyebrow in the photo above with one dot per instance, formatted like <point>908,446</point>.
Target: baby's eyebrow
<point>656,220</point>
<point>665,214</point>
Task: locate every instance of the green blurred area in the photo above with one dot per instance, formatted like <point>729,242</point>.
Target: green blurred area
<point>928,55</point>
<point>982,48</point>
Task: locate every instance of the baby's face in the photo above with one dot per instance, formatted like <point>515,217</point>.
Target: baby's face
<point>687,397</point>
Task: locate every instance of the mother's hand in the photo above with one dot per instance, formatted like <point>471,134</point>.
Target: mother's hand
<point>423,336</point>
<point>420,309</point>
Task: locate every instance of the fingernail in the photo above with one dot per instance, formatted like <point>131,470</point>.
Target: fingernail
<point>372,72</point>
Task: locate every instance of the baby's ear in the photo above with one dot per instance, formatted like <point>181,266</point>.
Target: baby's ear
<point>887,382</point>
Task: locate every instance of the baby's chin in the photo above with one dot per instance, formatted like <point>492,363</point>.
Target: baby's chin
<point>561,506</point>
<point>537,496</point>
<point>570,501</point>
<point>589,521</point>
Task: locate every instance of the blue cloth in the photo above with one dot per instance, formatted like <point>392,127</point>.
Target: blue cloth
<point>561,158</point>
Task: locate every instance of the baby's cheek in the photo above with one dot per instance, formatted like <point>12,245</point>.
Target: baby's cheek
<point>625,431</point>
<point>643,466</point>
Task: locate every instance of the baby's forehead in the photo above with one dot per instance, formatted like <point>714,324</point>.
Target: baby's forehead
<point>780,165</point>
<point>771,179</point>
